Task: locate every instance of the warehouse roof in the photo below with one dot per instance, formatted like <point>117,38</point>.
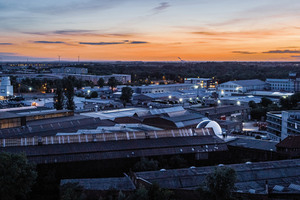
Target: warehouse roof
<point>250,176</point>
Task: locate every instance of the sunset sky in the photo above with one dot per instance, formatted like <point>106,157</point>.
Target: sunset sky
<point>195,30</point>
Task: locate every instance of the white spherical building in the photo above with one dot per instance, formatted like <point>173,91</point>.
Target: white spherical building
<point>211,124</point>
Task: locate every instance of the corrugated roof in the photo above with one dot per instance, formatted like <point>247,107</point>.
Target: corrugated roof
<point>246,83</point>
<point>253,144</point>
<point>119,149</point>
<point>249,176</point>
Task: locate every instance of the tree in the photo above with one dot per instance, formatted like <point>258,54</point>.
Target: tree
<point>58,99</point>
<point>16,176</point>
<point>252,104</point>
<point>112,83</point>
<point>153,193</point>
<point>265,102</point>
<point>146,165</point>
<point>157,193</point>
<point>71,191</point>
<point>100,82</point>
<point>295,98</point>
<point>220,183</point>
<point>285,103</point>
<point>126,95</point>
<point>94,94</point>
<point>69,93</point>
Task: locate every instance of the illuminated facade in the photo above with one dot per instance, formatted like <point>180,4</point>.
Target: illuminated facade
<point>6,89</point>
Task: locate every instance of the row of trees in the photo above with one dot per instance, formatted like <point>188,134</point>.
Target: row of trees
<point>144,73</point>
<point>65,88</point>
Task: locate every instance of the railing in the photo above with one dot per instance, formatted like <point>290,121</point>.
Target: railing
<point>32,141</point>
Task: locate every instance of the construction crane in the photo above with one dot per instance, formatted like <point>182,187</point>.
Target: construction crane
<point>180,59</point>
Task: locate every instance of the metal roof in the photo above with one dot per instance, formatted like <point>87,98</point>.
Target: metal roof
<point>249,176</point>
<point>247,83</point>
<point>253,144</point>
<point>72,152</point>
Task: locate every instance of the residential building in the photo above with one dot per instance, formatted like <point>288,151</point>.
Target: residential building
<point>240,87</point>
<point>282,124</point>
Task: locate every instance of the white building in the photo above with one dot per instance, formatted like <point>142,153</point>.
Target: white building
<point>6,89</point>
<point>240,87</point>
<point>281,84</point>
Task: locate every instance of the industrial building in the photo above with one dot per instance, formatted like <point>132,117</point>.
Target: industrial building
<point>240,87</point>
<point>202,82</point>
<point>292,84</point>
<point>281,124</point>
<point>122,78</point>
<point>162,88</point>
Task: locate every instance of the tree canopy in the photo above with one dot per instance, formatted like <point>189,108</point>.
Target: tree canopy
<point>69,92</point>
<point>16,176</point>
<point>126,94</point>
<point>58,99</point>
<point>219,184</point>
<point>112,83</point>
<point>100,82</point>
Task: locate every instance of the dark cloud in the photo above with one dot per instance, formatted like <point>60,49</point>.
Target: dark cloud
<point>72,32</point>
<point>244,52</point>
<point>80,32</point>
<point>63,32</point>
<point>101,43</point>
<point>49,42</point>
<point>138,42</point>
<point>282,51</point>
<point>162,6</point>
<point>6,43</point>
<point>206,33</point>
<point>114,43</point>
<point>295,56</point>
